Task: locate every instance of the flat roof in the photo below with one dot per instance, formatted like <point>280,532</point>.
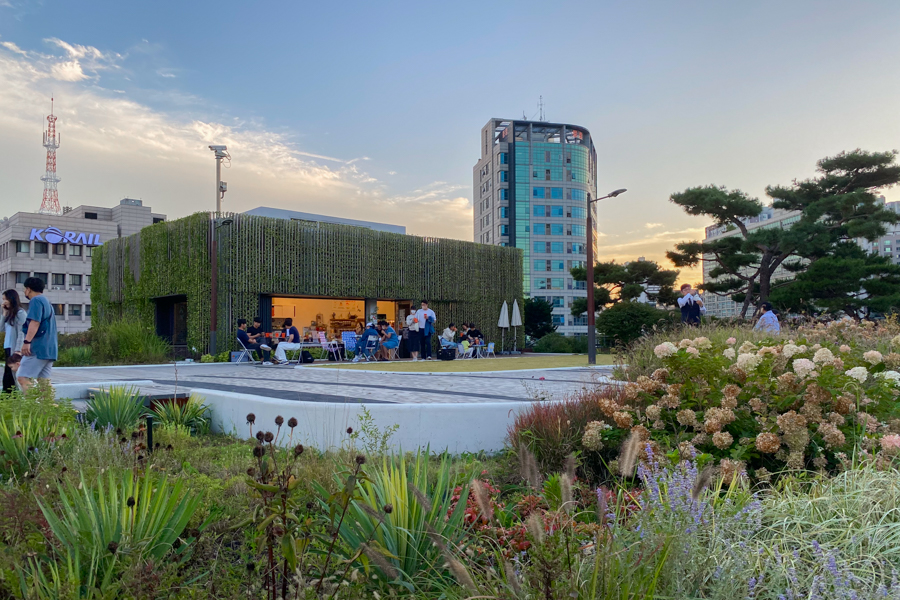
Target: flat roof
<point>281,213</point>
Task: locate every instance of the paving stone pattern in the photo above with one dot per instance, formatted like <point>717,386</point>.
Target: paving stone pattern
<point>332,385</point>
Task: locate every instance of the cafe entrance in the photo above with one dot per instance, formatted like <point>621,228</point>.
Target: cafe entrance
<point>333,315</point>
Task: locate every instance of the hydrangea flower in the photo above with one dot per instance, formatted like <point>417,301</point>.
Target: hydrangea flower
<point>895,341</point>
<point>873,357</point>
<point>890,443</point>
<point>703,343</point>
<point>748,362</point>
<point>729,353</point>
<point>823,356</point>
<point>693,351</point>
<point>732,341</point>
<point>803,366</point>
<point>665,350</point>
<point>858,373</point>
<point>845,348</point>
<point>790,350</point>
<point>892,376</point>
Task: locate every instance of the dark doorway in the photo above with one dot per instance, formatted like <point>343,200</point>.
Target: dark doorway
<point>171,319</point>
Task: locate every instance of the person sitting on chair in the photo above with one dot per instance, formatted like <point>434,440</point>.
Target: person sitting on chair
<point>250,343</point>
<point>291,342</point>
<point>448,336</point>
<point>363,340</point>
<point>389,341</point>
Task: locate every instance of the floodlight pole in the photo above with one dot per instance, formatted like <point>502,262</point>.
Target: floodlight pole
<point>591,316</point>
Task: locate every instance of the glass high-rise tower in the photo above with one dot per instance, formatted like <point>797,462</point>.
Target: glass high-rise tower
<point>531,187</point>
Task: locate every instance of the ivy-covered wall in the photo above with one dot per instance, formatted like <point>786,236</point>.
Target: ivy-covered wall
<point>463,281</point>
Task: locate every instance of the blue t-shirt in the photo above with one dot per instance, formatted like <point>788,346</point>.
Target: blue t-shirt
<point>244,337</point>
<point>43,346</point>
<point>392,341</point>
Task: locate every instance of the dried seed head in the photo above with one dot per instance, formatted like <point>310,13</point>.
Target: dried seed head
<point>251,472</point>
<point>535,527</point>
<point>349,430</point>
<point>260,436</point>
<point>511,578</point>
<point>292,422</point>
<point>298,449</point>
<point>130,501</point>
<point>170,447</point>
<point>310,506</point>
<point>570,467</point>
<point>482,500</point>
<point>118,432</point>
<point>113,547</point>
<point>420,497</point>
<point>251,418</point>
<point>258,451</point>
<point>461,574</point>
<point>565,484</point>
<point>702,482</point>
<point>269,437</point>
<point>379,561</point>
<point>628,456</point>
<point>279,420</point>
<point>251,566</point>
<point>123,441</point>
<point>360,459</point>
<point>388,509</point>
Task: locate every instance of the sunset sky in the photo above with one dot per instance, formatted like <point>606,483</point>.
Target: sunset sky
<point>373,110</point>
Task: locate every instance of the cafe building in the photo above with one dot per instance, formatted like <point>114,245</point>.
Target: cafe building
<point>190,279</point>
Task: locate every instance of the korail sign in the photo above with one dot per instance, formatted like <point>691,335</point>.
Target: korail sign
<point>53,235</point>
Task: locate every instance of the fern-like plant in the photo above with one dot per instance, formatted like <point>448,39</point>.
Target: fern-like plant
<point>119,407</point>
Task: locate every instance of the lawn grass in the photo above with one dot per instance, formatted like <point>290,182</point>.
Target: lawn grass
<point>542,361</point>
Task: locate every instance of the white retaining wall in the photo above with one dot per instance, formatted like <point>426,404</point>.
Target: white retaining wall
<point>456,428</point>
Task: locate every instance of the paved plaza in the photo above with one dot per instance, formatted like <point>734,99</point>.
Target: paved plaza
<point>313,384</point>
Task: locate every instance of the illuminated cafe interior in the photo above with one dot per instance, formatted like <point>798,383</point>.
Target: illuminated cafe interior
<point>335,315</point>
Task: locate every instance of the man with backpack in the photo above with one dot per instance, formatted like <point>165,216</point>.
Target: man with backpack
<point>39,350</point>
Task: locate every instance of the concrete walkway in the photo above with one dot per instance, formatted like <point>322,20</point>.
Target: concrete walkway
<point>333,385</point>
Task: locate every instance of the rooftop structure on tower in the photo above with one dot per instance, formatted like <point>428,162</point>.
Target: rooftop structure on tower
<point>50,203</point>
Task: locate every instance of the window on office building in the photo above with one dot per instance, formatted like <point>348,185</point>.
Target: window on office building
<point>504,212</point>
<point>504,176</point>
<point>74,250</point>
<point>556,229</point>
<point>577,212</point>
<point>23,247</point>
<point>59,310</point>
<point>74,310</point>
<point>58,279</point>
<point>74,280</point>
<point>90,215</point>
<point>578,230</point>
<point>503,194</point>
<point>556,211</point>
<point>504,158</point>
<point>87,310</point>
<point>559,320</point>
<point>557,247</point>
<point>538,210</point>
<point>21,277</point>
<point>45,277</point>
<point>537,192</point>
<point>59,249</point>
<point>40,248</point>
<point>556,193</point>
<point>504,229</point>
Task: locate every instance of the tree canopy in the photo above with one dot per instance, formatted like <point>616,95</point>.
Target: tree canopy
<point>538,320</point>
<point>837,205</point>
<point>616,282</point>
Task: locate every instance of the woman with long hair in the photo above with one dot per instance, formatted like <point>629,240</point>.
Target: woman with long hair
<point>14,334</point>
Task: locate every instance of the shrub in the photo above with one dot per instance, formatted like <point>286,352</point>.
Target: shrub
<point>26,441</point>
<point>77,356</point>
<point>129,342</point>
<point>625,322</point>
<point>74,340</point>
<point>193,415</point>
<point>119,407</point>
<point>131,516</point>
<point>558,343</point>
<point>421,512</point>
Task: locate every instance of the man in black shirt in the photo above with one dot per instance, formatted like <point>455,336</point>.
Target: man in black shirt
<point>255,332</point>
<point>244,337</point>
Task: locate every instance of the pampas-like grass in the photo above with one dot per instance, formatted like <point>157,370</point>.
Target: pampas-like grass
<point>482,500</point>
<point>702,482</point>
<point>535,527</point>
<point>628,457</point>
<point>379,560</point>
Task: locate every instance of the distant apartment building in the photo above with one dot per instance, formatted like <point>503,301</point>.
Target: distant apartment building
<point>721,305</point>
<point>888,245</point>
<point>531,187</point>
<point>58,250</point>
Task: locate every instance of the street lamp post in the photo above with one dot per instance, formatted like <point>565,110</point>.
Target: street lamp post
<point>592,328</point>
<point>215,224</point>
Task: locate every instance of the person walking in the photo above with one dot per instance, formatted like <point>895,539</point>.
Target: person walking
<point>39,350</point>
<point>412,337</point>
<point>691,305</point>
<point>13,324</point>
<point>768,320</point>
<point>426,319</point>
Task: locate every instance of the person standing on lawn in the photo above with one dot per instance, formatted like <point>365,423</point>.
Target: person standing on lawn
<point>14,322</point>
<point>39,350</point>
<point>426,319</point>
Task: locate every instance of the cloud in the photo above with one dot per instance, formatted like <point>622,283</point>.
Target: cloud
<point>114,145</point>
<point>654,245</point>
<point>653,225</point>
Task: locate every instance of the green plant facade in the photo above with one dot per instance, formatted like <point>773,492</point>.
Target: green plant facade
<point>258,256</point>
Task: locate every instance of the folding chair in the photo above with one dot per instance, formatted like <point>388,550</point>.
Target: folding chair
<point>349,338</point>
<point>245,352</point>
<point>331,348</point>
<point>463,352</point>
<point>368,352</point>
<point>490,351</point>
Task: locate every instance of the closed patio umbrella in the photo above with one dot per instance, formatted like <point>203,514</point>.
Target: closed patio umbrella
<point>516,321</point>
<point>503,324</point>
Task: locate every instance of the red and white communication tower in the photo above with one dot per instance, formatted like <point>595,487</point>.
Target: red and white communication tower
<point>50,203</point>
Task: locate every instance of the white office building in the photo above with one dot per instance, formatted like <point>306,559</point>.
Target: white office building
<point>58,250</point>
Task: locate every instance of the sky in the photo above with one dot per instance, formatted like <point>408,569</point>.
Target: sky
<point>374,110</point>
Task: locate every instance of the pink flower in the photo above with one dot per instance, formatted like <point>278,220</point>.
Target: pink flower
<point>731,341</point>
<point>890,442</point>
<point>845,348</point>
<point>693,351</point>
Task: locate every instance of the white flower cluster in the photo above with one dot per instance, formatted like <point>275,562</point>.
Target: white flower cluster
<point>803,366</point>
<point>728,353</point>
<point>665,350</point>
<point>748,362</point>
<point>892,376</point>
<point>873,357</point>
<point>823,356</point>
<point>703,343</point>
<point>858,373</point>
<point>747,347</point>
<point>896,340</point>
<point>790,350</point>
